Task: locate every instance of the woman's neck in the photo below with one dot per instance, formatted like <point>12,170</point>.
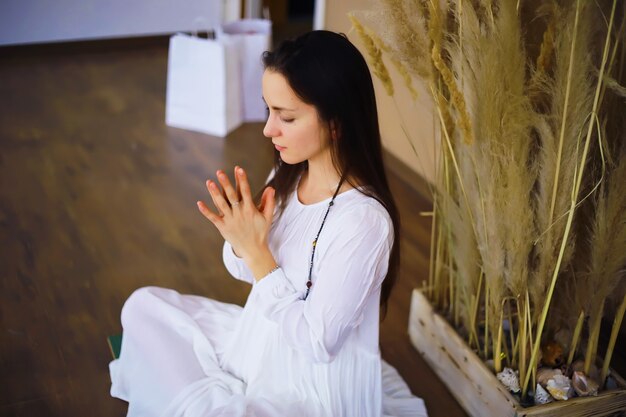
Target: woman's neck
<point>320,181</point>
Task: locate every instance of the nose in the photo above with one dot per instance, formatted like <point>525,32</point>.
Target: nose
<point>270,130</point>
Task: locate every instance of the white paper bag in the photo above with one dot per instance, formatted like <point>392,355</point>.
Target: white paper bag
<point>203,85</point>
<point>252,37</point>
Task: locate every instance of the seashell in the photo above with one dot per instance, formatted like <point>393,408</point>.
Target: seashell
<point>583,385</point>
<point>542,396</point>
<point>545,374</point>
<point>552,354</point>
<point>509,379</point>
<point>579,366</point>
<point>560,387</point>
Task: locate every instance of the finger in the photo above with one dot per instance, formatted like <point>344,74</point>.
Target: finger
<point>270,202</point>
<point>229,191</point>
<point>218,199</point>
<point>263,201</point>
<point>244,186</point>
<point>206,212</point>
<point>237,184</point>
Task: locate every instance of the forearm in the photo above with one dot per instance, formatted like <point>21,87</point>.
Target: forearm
<point>316,327</point>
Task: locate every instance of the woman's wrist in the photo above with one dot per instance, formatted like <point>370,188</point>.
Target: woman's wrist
<point>261,263</point>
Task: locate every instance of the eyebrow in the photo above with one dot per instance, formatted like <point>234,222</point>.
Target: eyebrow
<point>276,107</point>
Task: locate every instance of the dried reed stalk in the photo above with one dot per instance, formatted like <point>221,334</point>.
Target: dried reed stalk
<point>617,323</point>
<point>575,338</point>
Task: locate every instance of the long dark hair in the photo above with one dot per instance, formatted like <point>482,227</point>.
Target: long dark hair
<point>325,70</point>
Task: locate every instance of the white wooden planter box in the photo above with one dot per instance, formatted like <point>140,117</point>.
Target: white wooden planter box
<point>475,387</point>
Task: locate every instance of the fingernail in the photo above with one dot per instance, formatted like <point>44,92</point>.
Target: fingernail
<point>240,171</point>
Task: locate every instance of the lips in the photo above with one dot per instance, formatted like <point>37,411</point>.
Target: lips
<point>279,148</point>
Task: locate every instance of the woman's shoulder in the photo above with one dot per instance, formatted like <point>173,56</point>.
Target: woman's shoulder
<point>359,221</point>
<point>362,209</point>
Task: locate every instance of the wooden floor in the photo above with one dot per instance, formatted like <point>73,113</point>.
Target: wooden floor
<point>97,198</point>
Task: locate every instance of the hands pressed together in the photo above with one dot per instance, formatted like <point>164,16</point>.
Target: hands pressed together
<point>240,222</point>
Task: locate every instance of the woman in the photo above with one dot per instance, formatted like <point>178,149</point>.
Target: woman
<point>321,253</point>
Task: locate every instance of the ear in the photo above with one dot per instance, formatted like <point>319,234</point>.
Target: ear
<point>334,130</point>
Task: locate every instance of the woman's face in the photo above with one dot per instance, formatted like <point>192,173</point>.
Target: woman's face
<point>293,126</point>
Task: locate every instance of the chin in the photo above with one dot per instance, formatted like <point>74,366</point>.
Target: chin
<point>291,160</point>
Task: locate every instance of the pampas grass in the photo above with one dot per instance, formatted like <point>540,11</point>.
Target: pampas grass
<point>530,193</point>
<point>497,162</point>
<point>375,56</point>
<point>608,248</point>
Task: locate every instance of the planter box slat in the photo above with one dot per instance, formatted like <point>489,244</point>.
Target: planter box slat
<point>474,386</point>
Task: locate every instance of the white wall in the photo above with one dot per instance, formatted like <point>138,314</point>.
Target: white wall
<point>34,21</point>
<point>400,113</point>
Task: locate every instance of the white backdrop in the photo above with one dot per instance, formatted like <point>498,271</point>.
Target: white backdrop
<point>35,21</point>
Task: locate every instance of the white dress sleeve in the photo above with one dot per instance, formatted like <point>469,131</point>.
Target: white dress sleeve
<point>235,265</point>
<point>353,261</point>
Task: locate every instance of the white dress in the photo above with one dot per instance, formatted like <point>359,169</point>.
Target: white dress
<point>279,355</point>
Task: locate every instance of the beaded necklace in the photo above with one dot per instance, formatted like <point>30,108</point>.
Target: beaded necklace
<point>309,282</point>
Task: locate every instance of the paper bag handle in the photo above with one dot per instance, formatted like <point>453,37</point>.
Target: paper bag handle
<point>201,23</point>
